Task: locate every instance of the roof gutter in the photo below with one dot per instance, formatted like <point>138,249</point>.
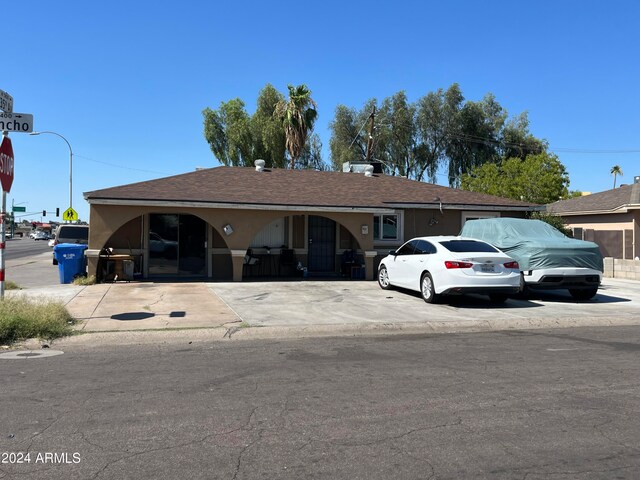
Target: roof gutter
<point>235,206</point>
<point>620,209</point>
<point>464,206</point>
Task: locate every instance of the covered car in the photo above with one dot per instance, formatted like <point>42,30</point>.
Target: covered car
<point>548,258</point>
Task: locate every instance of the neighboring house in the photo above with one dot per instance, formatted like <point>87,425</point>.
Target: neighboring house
<point>228,223</point>
<point>610,218</point>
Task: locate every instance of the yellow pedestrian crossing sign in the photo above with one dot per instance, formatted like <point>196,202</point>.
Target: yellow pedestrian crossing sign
<point>70,215</point>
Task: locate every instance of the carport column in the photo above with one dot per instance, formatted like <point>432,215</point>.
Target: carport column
<point>237,259</point>
<point>369,256</point>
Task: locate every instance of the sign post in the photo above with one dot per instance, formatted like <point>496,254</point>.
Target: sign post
<point>6,102</point>
<point>6,178</point>
<point>9,122</point>
<point>6,175</point>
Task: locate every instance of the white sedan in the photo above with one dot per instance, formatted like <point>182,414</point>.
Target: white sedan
<point>450,265</point>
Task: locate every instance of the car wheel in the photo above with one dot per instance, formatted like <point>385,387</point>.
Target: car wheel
<point>383,278</point>
<point>498,297</point>
<point>583,294</point>
<point>427,289</point>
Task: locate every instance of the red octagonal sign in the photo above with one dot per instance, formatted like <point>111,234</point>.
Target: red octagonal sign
<point>6,164</point>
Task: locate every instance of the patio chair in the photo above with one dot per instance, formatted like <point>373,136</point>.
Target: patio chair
<point>287,260</point>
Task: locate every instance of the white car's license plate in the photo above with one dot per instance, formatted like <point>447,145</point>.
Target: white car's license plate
<point>487,268</point>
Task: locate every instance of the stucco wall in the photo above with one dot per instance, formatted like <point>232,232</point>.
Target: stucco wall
<point>617,234</point>
<point>106,220</point>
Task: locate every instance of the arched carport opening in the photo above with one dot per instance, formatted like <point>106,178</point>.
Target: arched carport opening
<point>298,245</point>
<point>166,245</point>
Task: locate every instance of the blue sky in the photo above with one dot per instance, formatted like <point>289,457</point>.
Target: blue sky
<point>126,82</point>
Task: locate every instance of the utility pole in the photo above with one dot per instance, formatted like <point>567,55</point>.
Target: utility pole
<point>369,153</point>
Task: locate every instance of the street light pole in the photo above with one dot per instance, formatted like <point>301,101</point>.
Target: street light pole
<point>70,163</point>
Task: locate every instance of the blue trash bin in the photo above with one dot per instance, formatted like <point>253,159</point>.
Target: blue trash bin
<point>71,261</point>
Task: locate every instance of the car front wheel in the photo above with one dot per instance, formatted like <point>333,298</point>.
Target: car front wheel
<point>427,289</point>
<point>383,278</point>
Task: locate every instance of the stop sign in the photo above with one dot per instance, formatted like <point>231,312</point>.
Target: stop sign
<point>6,164</point>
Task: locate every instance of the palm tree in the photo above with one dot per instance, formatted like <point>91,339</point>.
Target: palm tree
<point>298,114</point>
<point>615,171</point>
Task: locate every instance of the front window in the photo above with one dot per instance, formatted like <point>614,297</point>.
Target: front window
<point>466,216</point>
<point>386,227</point>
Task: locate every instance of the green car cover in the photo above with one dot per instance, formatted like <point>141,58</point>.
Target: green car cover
<point>534,244</point>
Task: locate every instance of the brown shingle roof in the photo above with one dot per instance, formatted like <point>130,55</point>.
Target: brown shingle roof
<point>239,185</point>
<point>607,201</point>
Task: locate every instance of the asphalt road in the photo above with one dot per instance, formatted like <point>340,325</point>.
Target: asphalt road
<point>559,404</point>
<point>29,263</point>
<point>25,247</point>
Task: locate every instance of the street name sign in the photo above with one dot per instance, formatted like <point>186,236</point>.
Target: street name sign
<point>16,122</point>
<point>70,215</point>
<point>6,164</point>
<point>6,101</point>
<point>18,209</point>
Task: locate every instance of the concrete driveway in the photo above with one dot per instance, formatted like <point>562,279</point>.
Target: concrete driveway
<point>363,306</point>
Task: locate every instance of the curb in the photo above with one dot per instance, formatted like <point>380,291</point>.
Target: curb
<point>232,333</point>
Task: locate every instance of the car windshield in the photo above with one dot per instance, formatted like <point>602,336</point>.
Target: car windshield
<point>468,246</point>
<point>74,233</point>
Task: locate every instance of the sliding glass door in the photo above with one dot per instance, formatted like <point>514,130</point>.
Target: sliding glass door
<point>177,245</point>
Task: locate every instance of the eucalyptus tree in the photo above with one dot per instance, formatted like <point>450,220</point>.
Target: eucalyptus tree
<point>399,137</point>
<point>298,114</point>
<point>267,132</point>
<point>516,139</point>
<point>311,156</point>
<point>474,140</point>
<point>228,132</point>
<point>238,139</point>
<point>350,134</point>
<point>437,123</point>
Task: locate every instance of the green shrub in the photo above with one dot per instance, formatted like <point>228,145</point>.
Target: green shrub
<point>9,285</point>
<point>22,318</point>
<point>553,220</point>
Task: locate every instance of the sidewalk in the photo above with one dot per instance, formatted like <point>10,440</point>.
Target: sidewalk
<point>134,306</point>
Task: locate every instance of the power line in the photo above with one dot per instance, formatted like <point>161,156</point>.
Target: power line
<point>120,166</point>
<point>585,150</point>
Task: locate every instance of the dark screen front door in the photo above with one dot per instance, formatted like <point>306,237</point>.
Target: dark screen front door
<point>322,244</point>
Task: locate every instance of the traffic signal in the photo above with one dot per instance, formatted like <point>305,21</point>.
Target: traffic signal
<point>57,212</point>
<point>44,213</point>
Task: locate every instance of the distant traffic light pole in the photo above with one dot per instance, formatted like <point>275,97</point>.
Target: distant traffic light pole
<point>70,163</point>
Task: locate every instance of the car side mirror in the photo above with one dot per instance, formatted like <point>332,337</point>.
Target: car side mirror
<point>393,252</point>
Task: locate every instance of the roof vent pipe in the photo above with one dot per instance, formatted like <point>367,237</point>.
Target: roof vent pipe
<point>368,171</point>
<point>259,165</point>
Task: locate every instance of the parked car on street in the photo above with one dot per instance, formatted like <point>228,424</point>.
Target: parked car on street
<point>548,258</point>
<point>447,265</point>
<point>71,233</point>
